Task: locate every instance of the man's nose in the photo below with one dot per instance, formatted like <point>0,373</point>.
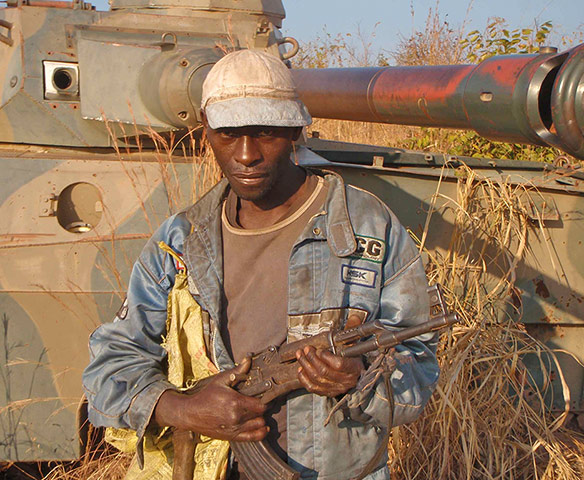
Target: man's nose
<point>247,151</point>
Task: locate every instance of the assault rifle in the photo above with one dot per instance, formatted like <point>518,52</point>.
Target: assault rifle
<point>274,372</point>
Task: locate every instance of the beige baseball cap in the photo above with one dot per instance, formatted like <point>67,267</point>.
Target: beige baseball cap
<point>249,87</point>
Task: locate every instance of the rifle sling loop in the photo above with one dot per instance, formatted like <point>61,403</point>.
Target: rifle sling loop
<point>374,462</point>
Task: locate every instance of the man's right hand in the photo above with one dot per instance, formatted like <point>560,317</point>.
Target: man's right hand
<point>216,411</point>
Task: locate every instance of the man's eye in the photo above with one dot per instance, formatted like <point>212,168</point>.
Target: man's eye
<point>266,132</point>
<point>228,133</point>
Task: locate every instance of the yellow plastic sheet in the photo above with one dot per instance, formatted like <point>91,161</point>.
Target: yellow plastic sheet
<point>187,364</point>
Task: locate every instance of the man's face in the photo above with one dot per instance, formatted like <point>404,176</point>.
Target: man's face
<point>255,159</point>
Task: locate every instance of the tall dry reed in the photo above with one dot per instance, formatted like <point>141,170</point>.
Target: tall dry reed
<point>487,419</point>
<point>172,155</point>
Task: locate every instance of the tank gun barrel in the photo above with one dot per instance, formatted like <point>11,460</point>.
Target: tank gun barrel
<point>536,99</point>
<point>98,73</point>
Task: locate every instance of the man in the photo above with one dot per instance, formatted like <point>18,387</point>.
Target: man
<point>274,253</point>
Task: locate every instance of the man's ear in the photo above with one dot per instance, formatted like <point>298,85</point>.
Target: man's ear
<point>204,120</point>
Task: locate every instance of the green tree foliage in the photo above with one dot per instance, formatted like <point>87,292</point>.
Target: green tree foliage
<point>427,47</point>
<point>498,39</point>
<point>470,144</point>
<point>325,51</point>
<point>437,44</point>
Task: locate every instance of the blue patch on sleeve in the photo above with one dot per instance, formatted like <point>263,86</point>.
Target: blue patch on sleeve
<point>358,276</point>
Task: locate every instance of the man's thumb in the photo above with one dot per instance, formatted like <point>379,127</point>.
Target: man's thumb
<point>239,373</point>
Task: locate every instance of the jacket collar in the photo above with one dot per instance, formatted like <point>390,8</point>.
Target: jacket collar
<point>208,205</point>
<point>339,232</point>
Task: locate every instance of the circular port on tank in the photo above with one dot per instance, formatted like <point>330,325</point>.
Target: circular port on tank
<point>62,79</point>
<point>79,207</point>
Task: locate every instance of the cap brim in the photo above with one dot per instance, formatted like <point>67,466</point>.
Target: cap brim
<point>243,112</point>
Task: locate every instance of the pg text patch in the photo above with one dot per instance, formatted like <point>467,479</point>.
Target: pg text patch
<point>370,249</point>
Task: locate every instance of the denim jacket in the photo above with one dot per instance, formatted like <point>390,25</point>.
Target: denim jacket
<point>353,258</point>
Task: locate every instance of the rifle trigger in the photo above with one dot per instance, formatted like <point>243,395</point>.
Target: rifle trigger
<point>332,342</point>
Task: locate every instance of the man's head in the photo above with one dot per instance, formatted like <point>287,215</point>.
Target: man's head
<point>252,115</point>
<point>247,88</point>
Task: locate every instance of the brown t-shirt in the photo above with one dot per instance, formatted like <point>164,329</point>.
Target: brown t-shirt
<point>255,313</point>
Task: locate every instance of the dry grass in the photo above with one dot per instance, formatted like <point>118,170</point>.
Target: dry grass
<point>363,132</point>
<point>104,463</point>
<point>487,421</point>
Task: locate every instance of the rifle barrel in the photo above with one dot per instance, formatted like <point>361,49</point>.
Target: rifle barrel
<point>391,338</point>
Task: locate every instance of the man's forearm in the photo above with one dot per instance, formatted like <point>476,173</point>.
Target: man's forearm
<point>168,410</point>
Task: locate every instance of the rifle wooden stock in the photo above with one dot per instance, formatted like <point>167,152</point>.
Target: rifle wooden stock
<point>273,373</point>
<point>184,444</point>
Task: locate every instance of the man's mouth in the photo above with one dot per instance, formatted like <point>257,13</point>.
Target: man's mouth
<point>250,179</point>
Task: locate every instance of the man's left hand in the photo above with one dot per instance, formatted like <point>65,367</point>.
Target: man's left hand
<point>326,374</point>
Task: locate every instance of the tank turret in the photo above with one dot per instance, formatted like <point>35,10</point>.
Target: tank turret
<point>67,70</point>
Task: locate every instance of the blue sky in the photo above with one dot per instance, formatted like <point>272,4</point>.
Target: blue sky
<point>307,18</point>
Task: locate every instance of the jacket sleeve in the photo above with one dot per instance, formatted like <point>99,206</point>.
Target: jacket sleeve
<point>404,302</point>
<point>127,371</point>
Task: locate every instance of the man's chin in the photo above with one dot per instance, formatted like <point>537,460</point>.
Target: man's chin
<point>250,194</point>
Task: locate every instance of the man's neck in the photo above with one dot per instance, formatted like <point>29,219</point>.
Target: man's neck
<point>265,213</point>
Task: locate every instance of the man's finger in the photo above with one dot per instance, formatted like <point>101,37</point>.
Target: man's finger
<point>317,370</point>
<point>252,407</point>
<point>237,374</point>
<point>256,423</point>
<point>347,365</point>
<point>235,378</point>
<point>309,368</point>
<point>324,359</point>
<point>308,383</point>
<point>333,361</point>
<point>254,435</point>
<point>243,366</point>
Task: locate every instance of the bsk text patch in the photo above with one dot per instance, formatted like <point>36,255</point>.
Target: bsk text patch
<point>358,276</point>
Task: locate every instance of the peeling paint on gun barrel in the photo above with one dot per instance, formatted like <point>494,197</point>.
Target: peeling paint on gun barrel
<point>535,99</point>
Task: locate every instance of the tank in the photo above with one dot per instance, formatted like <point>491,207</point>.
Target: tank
<point>96,149</point>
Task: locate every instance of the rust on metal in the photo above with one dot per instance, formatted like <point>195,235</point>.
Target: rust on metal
<point>422,95</point>
<point>536,99</point>
<point>516,297</point>
<point>541,288</point>
<point>49,4</point>
<point>21,240</point>
<point>4,38</point>
<point>505,69</point>
<point>9,238</point>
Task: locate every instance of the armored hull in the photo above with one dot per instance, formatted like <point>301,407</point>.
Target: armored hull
<point>64,266</point>
<point>92,105</point>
